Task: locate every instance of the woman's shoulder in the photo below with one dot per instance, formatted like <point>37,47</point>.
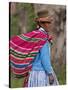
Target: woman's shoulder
<point>45,47</point>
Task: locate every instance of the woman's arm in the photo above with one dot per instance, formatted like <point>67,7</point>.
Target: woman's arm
<point>45,58</point>
<point>46,61</point>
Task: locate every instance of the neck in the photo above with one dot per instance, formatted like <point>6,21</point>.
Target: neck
<point>43,30</point>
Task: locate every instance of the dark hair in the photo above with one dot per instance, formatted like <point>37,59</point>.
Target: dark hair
<point>39,23</point>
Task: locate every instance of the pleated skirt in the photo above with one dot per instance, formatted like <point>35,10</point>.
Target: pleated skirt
<point>40,79</point>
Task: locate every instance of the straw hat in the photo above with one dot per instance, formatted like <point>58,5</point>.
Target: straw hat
<point>43,17</point>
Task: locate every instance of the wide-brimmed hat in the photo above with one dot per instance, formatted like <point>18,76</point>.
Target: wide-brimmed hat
<point>44,19</point>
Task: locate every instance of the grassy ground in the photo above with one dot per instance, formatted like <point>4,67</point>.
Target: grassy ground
<point>16,82</point>
<point>60,73</point>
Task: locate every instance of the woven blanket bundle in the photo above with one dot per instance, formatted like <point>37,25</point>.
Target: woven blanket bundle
<point>23,49</point>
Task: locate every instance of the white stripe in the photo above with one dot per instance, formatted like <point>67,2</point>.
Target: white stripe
<point>38,46</point>
<point>36,32</point>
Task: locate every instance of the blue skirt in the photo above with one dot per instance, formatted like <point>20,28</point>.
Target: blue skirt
<point>40,78</point>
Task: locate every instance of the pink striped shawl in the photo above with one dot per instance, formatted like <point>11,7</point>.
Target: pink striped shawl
<point>23,49</point>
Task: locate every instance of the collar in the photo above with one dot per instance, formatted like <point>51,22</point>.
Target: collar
<point>42,29</point>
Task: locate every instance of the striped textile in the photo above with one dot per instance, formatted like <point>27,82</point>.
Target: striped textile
<point>23,49</point>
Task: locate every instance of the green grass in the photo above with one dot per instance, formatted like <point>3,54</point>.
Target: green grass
<point>16,82</point>
<point>60,73</point>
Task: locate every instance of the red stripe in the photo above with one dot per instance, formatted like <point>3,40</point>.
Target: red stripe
<point>22,43</point>
<point>18,48</point>
<point>18,61</point>
<point>20,71</point>
<point>30,34</point>
<point>28,47</point>
<point>36,34</point>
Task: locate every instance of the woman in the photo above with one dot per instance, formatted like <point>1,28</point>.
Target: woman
<point>30,52</point>
<point>42,73</point>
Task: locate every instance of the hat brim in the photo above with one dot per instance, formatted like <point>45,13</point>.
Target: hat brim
<point>43,20</point>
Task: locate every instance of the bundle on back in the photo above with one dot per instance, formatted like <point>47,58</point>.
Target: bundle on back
<point>23,49</point>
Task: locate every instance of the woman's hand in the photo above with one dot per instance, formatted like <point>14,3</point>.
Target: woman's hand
<point>51,79</point>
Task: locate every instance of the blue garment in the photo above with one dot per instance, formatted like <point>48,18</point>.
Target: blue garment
<point>42,61</point>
